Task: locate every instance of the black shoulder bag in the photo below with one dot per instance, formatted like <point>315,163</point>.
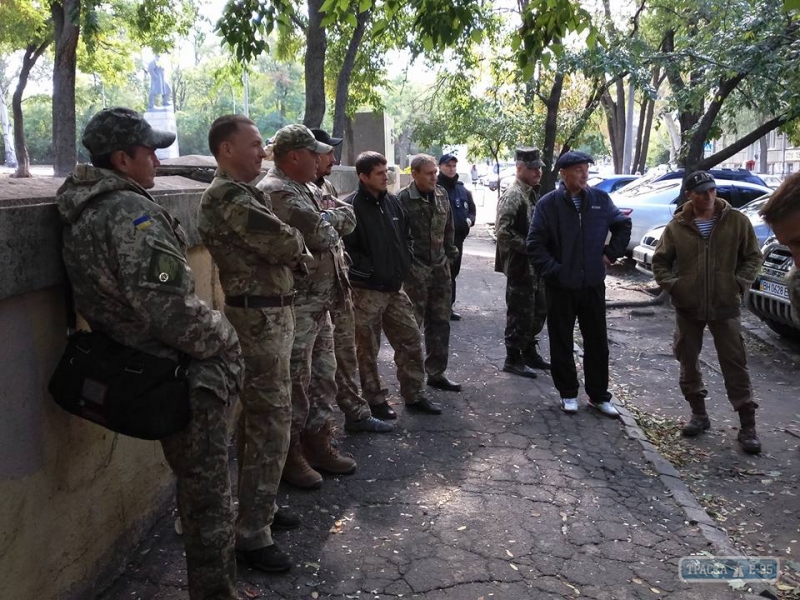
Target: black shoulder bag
<point>122,389</point>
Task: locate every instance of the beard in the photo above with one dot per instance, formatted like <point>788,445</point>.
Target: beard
<point>793,282</point>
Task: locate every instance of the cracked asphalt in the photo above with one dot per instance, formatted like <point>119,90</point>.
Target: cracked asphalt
<point>503,497</point>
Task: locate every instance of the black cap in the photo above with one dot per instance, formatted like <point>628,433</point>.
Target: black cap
<point>322,136</point>
<point>700,181</point>
<point>530,156</point>
<point>446,158</point>
<point>572,158</point>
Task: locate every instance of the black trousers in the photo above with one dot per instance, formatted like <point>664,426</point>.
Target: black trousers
<point>455,266</point>
<point>588,306</point>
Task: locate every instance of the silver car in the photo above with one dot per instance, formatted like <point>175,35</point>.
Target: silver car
<point>768,297</point>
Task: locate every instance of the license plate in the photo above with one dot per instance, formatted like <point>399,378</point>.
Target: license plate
<point>640,256</point>
<point>774,289</point>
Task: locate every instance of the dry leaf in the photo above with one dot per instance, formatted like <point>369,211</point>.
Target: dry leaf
<point>462,528</point>
<point>513,566</point>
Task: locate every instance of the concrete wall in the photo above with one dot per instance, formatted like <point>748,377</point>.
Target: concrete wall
<point>74,498</point>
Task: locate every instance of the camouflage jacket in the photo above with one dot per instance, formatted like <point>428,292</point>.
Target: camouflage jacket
<point>514,211</point>
<point>125,257</point>
<point>300,205</point>
<point>254,250</point>
<point>431,226</point>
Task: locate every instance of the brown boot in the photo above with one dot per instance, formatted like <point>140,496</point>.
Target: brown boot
<point>321,455</point>
<point>699,422</point>
<point>748,438</point>
<point>297,472</point>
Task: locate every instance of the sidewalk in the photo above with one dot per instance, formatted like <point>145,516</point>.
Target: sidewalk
<point>503,497</point>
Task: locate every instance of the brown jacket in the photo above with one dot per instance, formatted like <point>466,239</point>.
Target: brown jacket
<point>706,278</point>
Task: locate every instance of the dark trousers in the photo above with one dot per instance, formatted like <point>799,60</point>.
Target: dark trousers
<point>455,267</point>
<point>588,306</point>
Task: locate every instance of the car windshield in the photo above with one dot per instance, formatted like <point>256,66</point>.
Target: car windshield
<point>751,208</point>
<point>593,181</point>
<point>649,192</point>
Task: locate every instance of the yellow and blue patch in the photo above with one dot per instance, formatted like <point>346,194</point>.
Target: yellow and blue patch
<point>142,222</point>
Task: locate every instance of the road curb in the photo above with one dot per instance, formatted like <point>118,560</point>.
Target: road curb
<point>684,498</point>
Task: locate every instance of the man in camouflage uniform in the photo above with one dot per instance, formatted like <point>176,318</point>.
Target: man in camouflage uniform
<point>297,201</point>
<point>428,283</point>
<point>380,247</point>
<point>256,254</point>
<point>782,214</point>
<point>358,416</point>
<point>526,305</point>
<point>125,256</point>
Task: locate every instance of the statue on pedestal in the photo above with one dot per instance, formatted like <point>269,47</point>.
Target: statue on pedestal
<point>158,85</point>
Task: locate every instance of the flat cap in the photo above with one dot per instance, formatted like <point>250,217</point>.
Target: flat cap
<point>572,158</point>
<point>700,181</point>
<point>446,158</point>
<point>530,156</point>
<point>323,136</point>
<point>297,137</point>
<point>118,128</point>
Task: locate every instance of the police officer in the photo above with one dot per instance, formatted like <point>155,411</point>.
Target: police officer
<point>126,258</point>
<point>297,202</point>
<point>428,282</point>
<point>526,305</point>
<point>463,208</point>
<point>256,254</point>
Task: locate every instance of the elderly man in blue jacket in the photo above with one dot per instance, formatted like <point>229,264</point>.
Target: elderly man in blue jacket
<point>567,245</point>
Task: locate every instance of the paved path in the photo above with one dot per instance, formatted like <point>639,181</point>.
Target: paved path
<point>503,497</point>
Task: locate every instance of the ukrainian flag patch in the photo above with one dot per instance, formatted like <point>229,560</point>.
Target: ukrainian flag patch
<point>142,222</point>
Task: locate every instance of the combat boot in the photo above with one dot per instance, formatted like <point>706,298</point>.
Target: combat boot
<point>534,360</point>
<point>516,365</point>
<point>323,456</point>
<point>748,438</point>
<point>699,421</point>
<point>297,472</point>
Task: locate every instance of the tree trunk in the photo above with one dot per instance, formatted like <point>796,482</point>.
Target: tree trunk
<point>615,119</point>
<point>762,155</point>
<point>637,149</point>
<point>32,54</point>
<point>66,24</point>
<point>316,47</point>
<point>345,74</point>
<point>552,103</point>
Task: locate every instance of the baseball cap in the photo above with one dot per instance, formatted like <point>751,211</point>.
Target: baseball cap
<point>572,158</point>
<point>700,181</point>
<point>446,158</point>
<point>297,137</point>
<point>530,156</point>
<point>118,128</point>
<point>323,136</point>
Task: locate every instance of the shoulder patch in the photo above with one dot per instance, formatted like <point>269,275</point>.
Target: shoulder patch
<point>143,222</point>
<point>165,269</point>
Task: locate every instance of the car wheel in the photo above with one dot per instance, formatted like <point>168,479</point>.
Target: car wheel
<point>783,330</point>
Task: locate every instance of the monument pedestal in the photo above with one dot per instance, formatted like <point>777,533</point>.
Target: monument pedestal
<point>163,117</point>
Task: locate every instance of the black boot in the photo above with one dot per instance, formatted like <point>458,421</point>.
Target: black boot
<point>748,438</point>
<point>534,360</point>
<point>699,422</point>
<point>514,364</point>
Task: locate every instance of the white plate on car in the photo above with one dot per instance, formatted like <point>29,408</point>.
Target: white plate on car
<point>774,289</point>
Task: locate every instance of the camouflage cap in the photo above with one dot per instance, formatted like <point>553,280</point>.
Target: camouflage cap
<point>530,156</point>
<point>118,128</point>
<point>297,137</point>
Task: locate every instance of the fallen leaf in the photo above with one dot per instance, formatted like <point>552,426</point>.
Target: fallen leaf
<point>462,528</point>
<point>251,592</point>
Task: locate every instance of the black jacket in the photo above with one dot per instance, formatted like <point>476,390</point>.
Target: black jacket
<point>381,244</point>
<point>461,205</point>
<point>567,246</point>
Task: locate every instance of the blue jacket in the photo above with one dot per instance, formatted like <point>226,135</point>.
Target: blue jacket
<point>566,247</point>
<point>461,205</point>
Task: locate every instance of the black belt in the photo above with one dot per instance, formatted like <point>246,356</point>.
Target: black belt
<point>259,301</point>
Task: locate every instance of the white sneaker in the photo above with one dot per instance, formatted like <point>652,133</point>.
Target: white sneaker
<point>606,408</point>
<point>569,405</point>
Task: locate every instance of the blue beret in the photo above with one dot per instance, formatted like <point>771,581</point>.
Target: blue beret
<point>446,158</point>
<point>572,158</point>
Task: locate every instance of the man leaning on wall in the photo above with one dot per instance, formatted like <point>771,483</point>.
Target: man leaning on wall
<point>126,258</point>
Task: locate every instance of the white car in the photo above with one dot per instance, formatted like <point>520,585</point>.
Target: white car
<point>652,204</point>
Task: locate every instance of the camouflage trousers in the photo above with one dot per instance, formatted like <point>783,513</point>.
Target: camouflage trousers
<point>526,312</point>
<point>313,370</point>
<point>350,402</point>
<point>393,312</point>
<point>199,458</point>
<point>266,337</point>
<point>430,289</point>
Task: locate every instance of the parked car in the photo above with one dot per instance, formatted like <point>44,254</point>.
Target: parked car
<point>654,203</point>
<point>611,183</point>
<point>768,297</point>
<point>643,252</point>
<point>771,180</point>
<point>492,180</point>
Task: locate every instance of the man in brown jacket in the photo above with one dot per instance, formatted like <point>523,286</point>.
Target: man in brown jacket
<point>707,257</point>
